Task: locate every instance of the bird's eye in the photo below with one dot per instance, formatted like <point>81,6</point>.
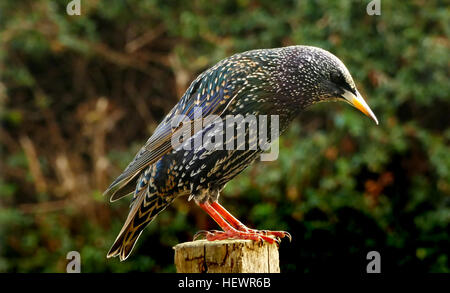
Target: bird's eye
<point>339,80</point>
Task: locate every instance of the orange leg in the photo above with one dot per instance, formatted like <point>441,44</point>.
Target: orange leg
<point>228,217</point>
<point>241,227</point>
<point>228,230</point>
<point>236,230</point>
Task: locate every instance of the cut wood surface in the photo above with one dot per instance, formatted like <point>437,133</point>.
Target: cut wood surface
<point>226,256</point>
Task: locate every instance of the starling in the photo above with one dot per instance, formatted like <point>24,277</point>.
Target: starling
<point>278,82</point>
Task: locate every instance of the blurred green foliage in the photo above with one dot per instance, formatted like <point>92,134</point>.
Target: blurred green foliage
<point>79,94</point>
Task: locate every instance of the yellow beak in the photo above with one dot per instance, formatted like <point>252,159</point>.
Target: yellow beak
<point>359,103</point>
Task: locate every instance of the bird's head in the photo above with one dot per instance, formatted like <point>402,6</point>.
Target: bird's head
<point>315,75</point>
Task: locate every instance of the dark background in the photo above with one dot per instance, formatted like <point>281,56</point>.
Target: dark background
<point>80,94</point>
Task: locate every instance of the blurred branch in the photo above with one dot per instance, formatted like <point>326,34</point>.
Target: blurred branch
<point>33,163</point>
<point>182,76</point>
<point>98,122</point>
<point>115,56</point>
<point>137,61</point>
<point>144,39</point>
<point>64,173</point>
<point>44,207</point>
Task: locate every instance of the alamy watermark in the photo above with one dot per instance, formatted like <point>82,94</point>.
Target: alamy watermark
<point>374,265</point>
<point>74,264</point>
<point>233,132</point>
<point>374,7</point>
<point>74,7</point>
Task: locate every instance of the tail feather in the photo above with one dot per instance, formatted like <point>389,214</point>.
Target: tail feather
<point>143,210</point>
<point>122,247</point>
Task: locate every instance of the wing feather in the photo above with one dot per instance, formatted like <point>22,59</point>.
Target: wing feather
<point>212,91</point>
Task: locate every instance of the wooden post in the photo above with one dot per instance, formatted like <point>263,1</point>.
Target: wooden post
<point>226,256</point>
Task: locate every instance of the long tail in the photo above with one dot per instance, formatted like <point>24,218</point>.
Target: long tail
<point>145,207</point>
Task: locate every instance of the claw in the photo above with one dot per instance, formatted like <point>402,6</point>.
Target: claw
<point>267,239</point>
<point>201,233</point>
<point>278,241</point>
<point>289,236</point>
<point>279,234</point>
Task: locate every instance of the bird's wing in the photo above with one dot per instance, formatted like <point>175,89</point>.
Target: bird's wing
<point>212,91</point>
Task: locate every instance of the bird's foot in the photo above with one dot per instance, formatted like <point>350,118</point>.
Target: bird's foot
<point>249,234</point>
<point>276,234</point>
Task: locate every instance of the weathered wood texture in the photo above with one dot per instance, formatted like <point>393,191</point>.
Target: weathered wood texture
<point>226,256</point>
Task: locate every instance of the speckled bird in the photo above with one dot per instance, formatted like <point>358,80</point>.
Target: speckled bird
<point>281,81</point>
